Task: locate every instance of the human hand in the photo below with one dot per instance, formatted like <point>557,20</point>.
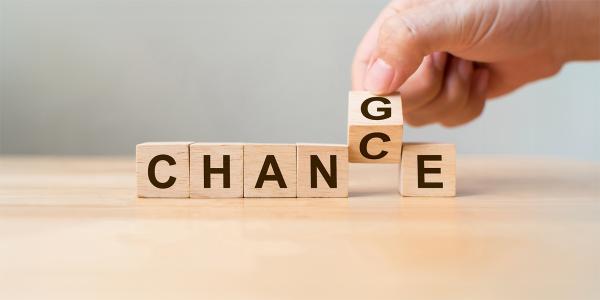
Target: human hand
<point>446,57</point>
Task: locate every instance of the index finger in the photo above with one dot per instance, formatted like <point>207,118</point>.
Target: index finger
<point>364,56</point>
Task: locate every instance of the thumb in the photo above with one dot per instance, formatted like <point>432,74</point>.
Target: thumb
<point>406,38</point>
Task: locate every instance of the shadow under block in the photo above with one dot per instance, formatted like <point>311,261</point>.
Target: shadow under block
<point>322,170</point>
<point>375,128</point>
<point>428,170</point>
<point>163,169</point>
<point>269,170</point>
<point>216,170</point>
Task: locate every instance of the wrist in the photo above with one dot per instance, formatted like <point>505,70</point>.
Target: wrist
<point>575,30</point>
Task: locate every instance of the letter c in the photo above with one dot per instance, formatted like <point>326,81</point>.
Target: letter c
<point>365,141</point>
<point>152,171</point>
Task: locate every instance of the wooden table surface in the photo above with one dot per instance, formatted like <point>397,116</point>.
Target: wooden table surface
<point>520,228</point>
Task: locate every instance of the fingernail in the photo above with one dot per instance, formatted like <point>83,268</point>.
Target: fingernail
<point>439,60</point>
<point>465,69</point>
<point>483,81</point>
<point>379,77</point>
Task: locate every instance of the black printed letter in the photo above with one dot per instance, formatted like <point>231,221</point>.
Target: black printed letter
<point>262,177</point>
<point>387,111</point>
<point>365,140</point>
<point>421,170</point>
<point>152,171</point>
<point>316,164</point>
<point>224,170</point>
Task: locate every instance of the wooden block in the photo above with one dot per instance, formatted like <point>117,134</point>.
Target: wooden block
<point>163,169</point>
<point>216,170</point>
<point>322,170</point>
<point>428,170</point>
<point>374,128</point>
<point>269,170</point>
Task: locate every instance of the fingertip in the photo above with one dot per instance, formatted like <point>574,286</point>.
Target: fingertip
<point>415,121</point>
<point>482,82</point>
<point>423,86</point>
<point>439,60</point>
<point>357,84</point>
<point>379,77</point>
<point>465,69</point>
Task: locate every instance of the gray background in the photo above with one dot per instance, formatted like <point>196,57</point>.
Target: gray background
<point>97,77</point>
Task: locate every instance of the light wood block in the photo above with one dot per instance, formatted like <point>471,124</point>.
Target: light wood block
<point>322,170</point>
<point>428,170</point>
<point>163,169</point>
<point>269,170</point>
<point>375,128</point>
<point>216,170</point>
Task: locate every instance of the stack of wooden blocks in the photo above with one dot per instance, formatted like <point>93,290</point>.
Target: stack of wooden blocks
<point>227,170</point>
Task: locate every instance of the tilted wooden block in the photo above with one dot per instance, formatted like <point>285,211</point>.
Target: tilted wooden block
<point>216,170</point>
<point>322,170</point>
<point>163,169</point>
<point>374,128</point>
<point>428,170</point>
<point>269,170</point>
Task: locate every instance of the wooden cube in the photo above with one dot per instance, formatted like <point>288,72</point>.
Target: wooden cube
<point>216,170</point>
<point>428,170</point>
<point>322,170</point>
<point>374,128</point>
<point>269,170</point>
<point>163,169</point>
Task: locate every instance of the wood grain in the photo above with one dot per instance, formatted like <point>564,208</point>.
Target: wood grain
<point>380,118</point>
<point>255,158</point>
<point>324,153</point>
<point>393,147</point>
<point>444,170</point>
<point>177,170</point>
<point>356,117</point>
<point>216,153</point>
<point>519,228</point>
